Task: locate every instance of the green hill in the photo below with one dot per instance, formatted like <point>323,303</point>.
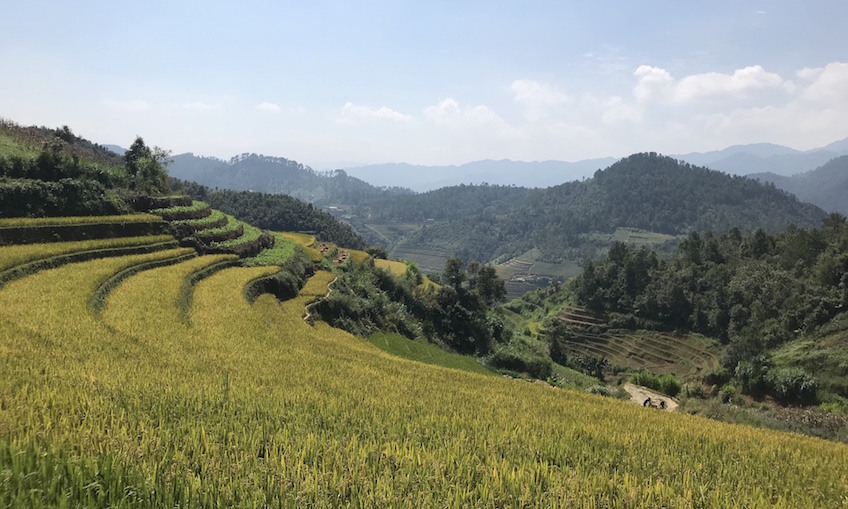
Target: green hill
<point>644,199</point>
<point>277,175</point>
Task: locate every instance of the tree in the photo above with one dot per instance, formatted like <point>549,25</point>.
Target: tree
<point>453,274</point>
<point>489,286</point>
<point>147,168</point>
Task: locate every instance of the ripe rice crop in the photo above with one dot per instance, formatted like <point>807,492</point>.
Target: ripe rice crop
<point>396,268</point>
<point>57,221</point>
<point>251,406</point>
<point>11,256</point>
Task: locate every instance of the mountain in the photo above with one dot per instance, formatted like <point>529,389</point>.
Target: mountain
<point>116,149</point>
<point>503,172</point>
<point>646,191</point>
<point>758,150</point>
<point>826,186</point>
<point>277,175</point>
<point>766,158</point>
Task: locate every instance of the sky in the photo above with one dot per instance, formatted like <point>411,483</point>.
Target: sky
<point>340,83</point>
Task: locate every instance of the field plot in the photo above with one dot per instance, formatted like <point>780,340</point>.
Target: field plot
<point>395,267</point>
<point>430,261</point>
<point>632,236</point>
<point>654,351</point>
<point>251,406</point>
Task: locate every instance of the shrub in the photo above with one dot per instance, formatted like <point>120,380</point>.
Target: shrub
<point>666,384</point>
<point>727,393</point>
<point>793,385</point>
<point>718,376</point>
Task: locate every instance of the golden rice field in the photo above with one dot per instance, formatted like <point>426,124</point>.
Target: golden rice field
<point>60,221</point>
<point>306,242</point>
<point>11,256</point>
<point>395,267</point>
<point>250,406</point>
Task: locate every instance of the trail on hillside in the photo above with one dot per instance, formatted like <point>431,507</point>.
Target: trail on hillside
<point>308,314</point>
<point>639,394</point>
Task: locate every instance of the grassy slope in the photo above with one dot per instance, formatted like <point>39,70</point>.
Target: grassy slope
<point>252,406</point>
<point>427,353</point>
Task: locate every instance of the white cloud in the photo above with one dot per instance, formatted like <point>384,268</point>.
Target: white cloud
<point>268,107</point>
<point>538,98</point>
<point>657,84</point>
<point>449,113</point>
<point>536,93</point>
<point>353,112</point>
<point>653,82</point>
<point>809,73</point>
<point>830,85</point>
<point>131,105</point>
<point>618,111</point>
<point>201,106</point>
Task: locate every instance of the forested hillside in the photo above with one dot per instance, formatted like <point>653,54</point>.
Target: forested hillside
<point>755,293</point>
<point>826,186</point>
<point>53,172</point>
<point>275,212</point>
<point>277,175</point>
<point>646,191</point>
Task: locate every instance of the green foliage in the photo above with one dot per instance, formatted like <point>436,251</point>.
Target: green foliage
<point>427,353</point>
<point>667,384</point>
<point>277,213</point>
<point>793,385</point>
<point>645,191</point>
<point>755,292</point>
<point>278,175</point>
<point>147,168</point>
<point>283,250</point>
<point>518,356</point>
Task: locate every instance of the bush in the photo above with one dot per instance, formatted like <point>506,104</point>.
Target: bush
<point>666,384</point>
<point>693,390</point>
<point>536,366</point>
<point>793,385</point>
<point>718,376</point>
<point>727,393</point>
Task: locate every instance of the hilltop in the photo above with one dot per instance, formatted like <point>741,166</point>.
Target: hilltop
<point>644,199</point>
<point>278,175</point>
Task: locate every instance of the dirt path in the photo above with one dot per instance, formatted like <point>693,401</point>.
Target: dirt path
<point>308,314</point>
<point>639,394</point>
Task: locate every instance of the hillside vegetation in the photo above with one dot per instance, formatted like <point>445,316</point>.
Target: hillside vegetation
<point>825,186</point>
<point>278,175</point>
<point>644,191</point>
<point>240,404</point>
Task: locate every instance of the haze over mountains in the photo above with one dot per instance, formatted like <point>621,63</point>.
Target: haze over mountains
<point>736,160</point>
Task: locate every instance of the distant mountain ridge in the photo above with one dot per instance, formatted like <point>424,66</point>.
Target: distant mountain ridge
<point>645,191</point>
<point>736,160</point>
<point>826,186</point>
<point>503,172</point>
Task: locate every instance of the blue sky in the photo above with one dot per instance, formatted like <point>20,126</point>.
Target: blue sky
<point>332,83</point>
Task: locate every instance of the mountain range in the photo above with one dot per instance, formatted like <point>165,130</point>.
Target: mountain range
<point>826,186</point>
<point>736,160</point>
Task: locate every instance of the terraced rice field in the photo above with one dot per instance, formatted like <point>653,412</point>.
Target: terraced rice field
<point>430,261</point>
<point>395,267</point>
<point>247,405</point>
<point>656,352</point>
